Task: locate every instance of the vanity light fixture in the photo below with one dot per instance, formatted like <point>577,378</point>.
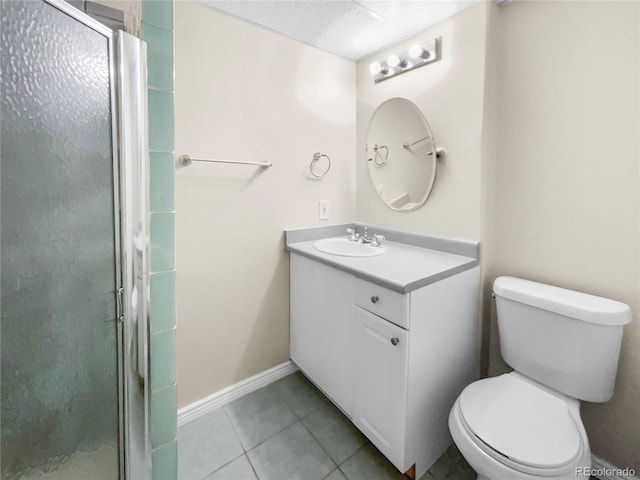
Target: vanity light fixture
<point>416,56</point>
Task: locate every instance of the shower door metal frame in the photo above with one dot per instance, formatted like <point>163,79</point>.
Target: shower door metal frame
<point>124,244</point>
<point>134,221</point>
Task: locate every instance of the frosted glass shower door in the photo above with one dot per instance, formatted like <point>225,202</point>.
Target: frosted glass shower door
<point>60,260</point>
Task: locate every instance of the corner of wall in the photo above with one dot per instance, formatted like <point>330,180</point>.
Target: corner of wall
<point>488,180</point>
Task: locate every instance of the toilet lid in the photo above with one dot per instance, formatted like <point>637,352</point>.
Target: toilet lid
<point>521,421</point>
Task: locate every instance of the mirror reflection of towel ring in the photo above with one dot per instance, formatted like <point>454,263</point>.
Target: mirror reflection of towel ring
<point>315,161</point>
<point>377,157</point>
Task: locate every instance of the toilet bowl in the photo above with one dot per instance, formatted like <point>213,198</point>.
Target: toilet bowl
<point>564,346</point>
<point>508,427</point>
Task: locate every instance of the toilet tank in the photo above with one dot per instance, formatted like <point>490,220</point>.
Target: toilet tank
<point>567,340</point>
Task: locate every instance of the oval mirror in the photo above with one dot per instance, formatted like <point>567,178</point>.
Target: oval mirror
<point>401,155</point>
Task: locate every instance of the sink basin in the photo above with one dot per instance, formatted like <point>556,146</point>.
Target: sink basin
<point>342,246</point>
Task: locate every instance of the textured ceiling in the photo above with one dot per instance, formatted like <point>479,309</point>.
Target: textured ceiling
<point>348,28</point>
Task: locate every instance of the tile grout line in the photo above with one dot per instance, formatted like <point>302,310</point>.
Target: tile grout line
<point>233,428</point>
<point>352,455</point>
<point>222,466</point>
<point>244,451</point>
<point>296,416</point>
<point>160,89</point>
<point>298,419</point>
<point>266,439</point>
<point>320,444</point>
<point>253,469</point>
<point>301,418</point>
<point>153,332</point>
<point>343,474</point>
<point>234,458</point>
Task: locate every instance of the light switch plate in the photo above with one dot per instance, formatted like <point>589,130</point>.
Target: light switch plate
<point>323,209</point>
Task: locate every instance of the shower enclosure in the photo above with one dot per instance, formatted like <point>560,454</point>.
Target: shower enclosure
<point>74,247</point>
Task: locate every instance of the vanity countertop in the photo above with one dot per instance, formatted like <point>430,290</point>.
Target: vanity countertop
<point>411,261</point>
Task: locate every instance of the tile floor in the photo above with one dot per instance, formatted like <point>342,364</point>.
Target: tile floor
<point>289,431</point>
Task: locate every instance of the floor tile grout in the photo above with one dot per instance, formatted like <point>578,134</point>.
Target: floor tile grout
<point>253,469</point>
<point>291,394</point>
<point>244,452</point>
<point>298,419</point>
<point>320,444</point>
<point>266,439</point>
<point>291,408</point>
<point>222,466</point>
<point>226,414</point>
<point>353,454</point>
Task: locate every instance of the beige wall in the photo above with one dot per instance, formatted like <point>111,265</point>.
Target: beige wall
<point>450,93</point>
<point>567,206</point>
<point>248,94</point>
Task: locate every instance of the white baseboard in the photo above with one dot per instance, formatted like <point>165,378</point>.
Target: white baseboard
<point>229,394</point>
<point>606,471</point>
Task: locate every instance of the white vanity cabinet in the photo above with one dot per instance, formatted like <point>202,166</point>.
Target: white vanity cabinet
<point>321,311</point>
<point>393,362</point>
<point>380,382</point>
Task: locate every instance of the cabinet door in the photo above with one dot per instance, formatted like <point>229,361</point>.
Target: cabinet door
<point>322,327</point>
<point>380,383</point>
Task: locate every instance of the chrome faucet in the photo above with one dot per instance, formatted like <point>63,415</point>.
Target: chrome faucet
<point>375,240</point>
<point>353,236</point>
<point>365,238</point>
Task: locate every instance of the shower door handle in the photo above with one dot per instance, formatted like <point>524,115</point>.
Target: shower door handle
<point>120,305</point>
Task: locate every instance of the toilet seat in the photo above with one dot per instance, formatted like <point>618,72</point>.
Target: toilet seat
<point>521,425</point>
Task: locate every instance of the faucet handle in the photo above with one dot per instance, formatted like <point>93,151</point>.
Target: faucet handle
<point>352,235</point>
<point>377,240</point>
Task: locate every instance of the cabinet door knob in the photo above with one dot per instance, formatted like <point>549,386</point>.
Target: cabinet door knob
<point>395,341</point>
<point>374,299</point>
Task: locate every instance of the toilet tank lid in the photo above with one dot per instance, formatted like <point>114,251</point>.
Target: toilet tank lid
<point>581,306</point>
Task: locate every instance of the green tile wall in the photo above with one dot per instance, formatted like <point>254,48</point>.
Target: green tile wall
<point>163,359</point>
<point>161,170</point>
<point>157,31</point>
<point>158,13</point>
<point>162,242</point>
<point>160,56</point>
<point>160,120</point>
<point>165,461</point>
<point>163,308</point>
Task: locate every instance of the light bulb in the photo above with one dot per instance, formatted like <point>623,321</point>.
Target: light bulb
<point>375,68</point>
<point>395,61</point>
<point>416,51</point>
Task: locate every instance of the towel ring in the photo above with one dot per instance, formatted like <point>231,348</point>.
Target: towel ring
<point>378,156</point>
<point>316,158</point>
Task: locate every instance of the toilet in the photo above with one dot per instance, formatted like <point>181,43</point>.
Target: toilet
<point>563,347</point>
